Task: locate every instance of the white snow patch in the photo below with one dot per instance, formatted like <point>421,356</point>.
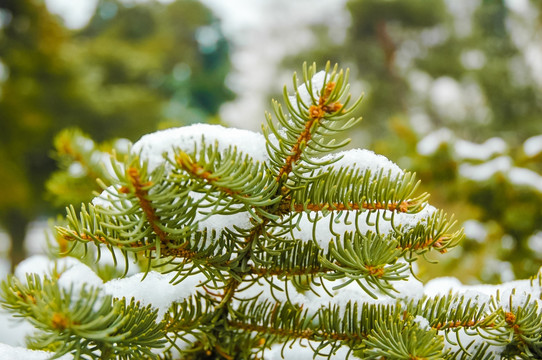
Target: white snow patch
<point>432,141</point>
<point>76,276</point>
<point>43,266</point>
<point>218,223</point>
<point>407,289</point>
<point>535,243</point>
<point>525,177</point>
<point>153,147</point>
<point>73,273</point>
<point>533,146</point>
<point>475,230</point>
<point>38,264</point>
<point>441,286</point>
<point>422,322</point>
<point>155,290</point>
<point>106,258</point>
<point>35,241</point>
<point>8,352</point>
<point>482,172</point>
<point>14,330</point>
<point>324,230</point>
<point>519,290</point>
<point>364,160</point>
<point>469,150</point>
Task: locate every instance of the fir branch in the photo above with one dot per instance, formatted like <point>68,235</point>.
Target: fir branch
<point>136,218</point>
<point>300,259</point>
<point>141,191</point>
<point>188,316</point>
<point>433,233</point>
<point>406,342</point>
<point>356,189</point>
<point>368,258</point>
<point>517,326</point>
<point>86,323</point>
<point>402,206</point>
<point>310,124</point>
<point>449,312</point>
<point>233,173</point>
<point>371,221</point>
<point>273,321</point>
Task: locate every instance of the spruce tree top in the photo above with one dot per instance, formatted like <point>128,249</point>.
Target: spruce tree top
<point>250,246</point>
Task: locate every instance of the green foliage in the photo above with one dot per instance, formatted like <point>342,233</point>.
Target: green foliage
<point>133,69</point>
<point>150,63</point>
<point>505,206</point>
<point>81,162</point>
<point>84,323</point>
<point>405,336</point>
<point>302,250</point>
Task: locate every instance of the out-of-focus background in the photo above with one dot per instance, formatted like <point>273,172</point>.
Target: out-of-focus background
<point>453,91</point>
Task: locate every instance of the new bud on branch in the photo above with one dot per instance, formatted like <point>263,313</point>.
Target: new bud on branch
<point>240,245</point>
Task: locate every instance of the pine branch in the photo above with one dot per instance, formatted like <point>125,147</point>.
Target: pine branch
<point>72,145</point>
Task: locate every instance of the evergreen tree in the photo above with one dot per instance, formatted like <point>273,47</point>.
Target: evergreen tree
<point>266,246</point>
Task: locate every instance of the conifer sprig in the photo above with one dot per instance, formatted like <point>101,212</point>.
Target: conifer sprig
<point>316,114</point>
<point>292,244</point>
<point>233,174</point>
<point>355,189</point>
<point>84,323</point>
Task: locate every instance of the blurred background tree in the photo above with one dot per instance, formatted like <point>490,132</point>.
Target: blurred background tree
<point>132,69</point>
<point>469,70</point>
